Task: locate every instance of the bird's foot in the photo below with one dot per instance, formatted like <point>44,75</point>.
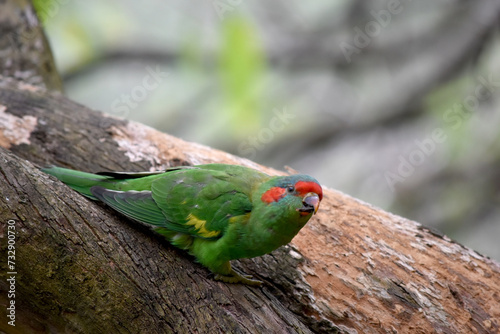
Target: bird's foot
<point>234,277</point>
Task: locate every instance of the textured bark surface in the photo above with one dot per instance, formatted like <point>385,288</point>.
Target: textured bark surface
<point>84,269</point>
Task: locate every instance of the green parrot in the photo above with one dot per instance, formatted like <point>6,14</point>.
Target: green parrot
<point>217,212</point>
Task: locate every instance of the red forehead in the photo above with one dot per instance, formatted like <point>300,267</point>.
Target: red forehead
<point>304,187</point>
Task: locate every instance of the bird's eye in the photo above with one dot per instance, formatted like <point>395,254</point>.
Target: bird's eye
<point>290,189</point>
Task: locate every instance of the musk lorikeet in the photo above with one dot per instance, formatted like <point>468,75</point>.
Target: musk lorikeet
<point>217,212</point>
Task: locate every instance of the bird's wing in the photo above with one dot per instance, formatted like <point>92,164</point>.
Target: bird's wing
<point>201,202</point>
<point>197,201</point>
<point>138,205</point>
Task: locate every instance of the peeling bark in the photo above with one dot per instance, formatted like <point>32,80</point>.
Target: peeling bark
<point>353,268</point>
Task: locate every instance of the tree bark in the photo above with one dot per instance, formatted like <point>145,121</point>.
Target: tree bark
<point>80,267</point>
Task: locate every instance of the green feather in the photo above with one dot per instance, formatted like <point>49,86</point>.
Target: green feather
<point>138,205</point>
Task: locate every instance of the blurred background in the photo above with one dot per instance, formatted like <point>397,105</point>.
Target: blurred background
<point>393,102</point>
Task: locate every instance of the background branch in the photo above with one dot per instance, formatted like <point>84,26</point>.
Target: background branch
<point>25,52</point>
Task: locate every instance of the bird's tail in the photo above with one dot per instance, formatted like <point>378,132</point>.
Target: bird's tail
<point>79,181</point>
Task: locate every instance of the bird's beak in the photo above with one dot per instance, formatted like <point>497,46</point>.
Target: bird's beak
<point>310,203</point>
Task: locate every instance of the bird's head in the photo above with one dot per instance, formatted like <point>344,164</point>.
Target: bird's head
<point>299,194</point>
<point>281,207</point>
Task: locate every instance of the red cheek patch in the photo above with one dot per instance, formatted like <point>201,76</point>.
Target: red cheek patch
<point>273,195</point>
<point>304,187</point>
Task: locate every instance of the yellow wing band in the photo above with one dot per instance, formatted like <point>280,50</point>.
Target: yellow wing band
<point>199,225</point>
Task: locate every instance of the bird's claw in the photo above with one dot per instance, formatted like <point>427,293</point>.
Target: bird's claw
<point>234,277</point>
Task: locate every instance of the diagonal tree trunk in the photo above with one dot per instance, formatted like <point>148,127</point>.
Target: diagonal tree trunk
<point>81,268</point>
